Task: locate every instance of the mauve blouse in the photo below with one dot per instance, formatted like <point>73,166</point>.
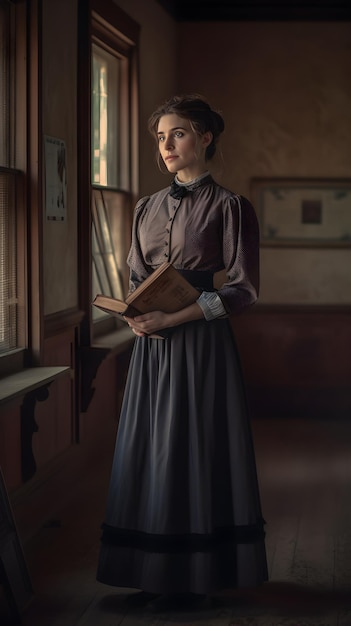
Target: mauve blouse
<point>210,228</point>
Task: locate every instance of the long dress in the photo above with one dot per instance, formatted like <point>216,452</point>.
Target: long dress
<point>183,509</point>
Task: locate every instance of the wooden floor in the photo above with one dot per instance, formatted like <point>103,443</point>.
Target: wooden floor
<point>304,468</point>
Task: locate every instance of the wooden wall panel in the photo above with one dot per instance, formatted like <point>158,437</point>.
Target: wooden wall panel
<point>55,422</point>
<point>55,416</point>
<point>296,361</point>
<point>104,407</point>
<point>10,444</point>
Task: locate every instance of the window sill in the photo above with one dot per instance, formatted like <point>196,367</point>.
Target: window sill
<point>115,342</point>
<point>30,385</point>
<point>28,380</point>
<point>12,362</point>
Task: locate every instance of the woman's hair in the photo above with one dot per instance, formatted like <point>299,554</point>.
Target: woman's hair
<point>199,113</point>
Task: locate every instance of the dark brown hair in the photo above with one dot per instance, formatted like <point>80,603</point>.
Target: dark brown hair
<point>199,113</point>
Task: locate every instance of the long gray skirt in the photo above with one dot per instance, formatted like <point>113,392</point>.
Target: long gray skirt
<point>183,509</point>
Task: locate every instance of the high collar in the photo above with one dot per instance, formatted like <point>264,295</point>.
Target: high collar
<point>179,190</point>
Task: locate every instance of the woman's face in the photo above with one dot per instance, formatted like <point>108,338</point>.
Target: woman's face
<point>182,150</point>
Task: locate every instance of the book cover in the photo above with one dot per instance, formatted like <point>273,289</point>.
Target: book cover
<point>164,290</point>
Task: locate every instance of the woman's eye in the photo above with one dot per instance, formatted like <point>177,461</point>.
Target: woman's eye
<point>177,135</point>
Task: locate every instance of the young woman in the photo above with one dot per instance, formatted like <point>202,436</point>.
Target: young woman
<point>183,512</point>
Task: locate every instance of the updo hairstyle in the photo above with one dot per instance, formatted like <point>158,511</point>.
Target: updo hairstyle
<point>199,113</point>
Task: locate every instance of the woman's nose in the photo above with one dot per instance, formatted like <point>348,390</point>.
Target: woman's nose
<point>169,143</point>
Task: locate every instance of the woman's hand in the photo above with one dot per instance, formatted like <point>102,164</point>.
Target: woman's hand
<point>150,323</point>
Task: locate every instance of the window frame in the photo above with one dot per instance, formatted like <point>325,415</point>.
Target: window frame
<point>15,358</point>
<point>104,23</point>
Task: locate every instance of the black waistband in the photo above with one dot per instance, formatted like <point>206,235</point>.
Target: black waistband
<point>200,280</point>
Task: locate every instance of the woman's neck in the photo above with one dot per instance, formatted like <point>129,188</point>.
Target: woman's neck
<point>191,180</point>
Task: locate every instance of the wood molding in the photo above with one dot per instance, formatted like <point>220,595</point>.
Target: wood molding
<point>62,321</point>
<point>84,167</point>
<point>35,190</point>
<point>109,15</point>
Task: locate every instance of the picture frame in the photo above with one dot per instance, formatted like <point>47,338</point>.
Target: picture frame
<point>303,212</point>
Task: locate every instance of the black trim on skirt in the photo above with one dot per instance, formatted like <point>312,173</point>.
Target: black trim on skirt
<point>188,543</point>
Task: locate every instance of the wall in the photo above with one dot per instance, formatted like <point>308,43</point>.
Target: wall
<point>285,94</point>
<point>59,120</point>
<point>297,362</point>
<point>283,89</point>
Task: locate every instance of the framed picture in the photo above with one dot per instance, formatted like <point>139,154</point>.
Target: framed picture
<point>303,212</point>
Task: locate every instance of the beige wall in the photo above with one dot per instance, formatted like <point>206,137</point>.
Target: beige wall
<point>157,64</point>
<point>59,120</point>
<point>285,92</point>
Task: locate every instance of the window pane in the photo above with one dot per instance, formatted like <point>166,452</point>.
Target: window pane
<point>111,226</point>
<point>8,295</point>
<point>8,251</point>
<point>105,116</point>
<point>113,133</point>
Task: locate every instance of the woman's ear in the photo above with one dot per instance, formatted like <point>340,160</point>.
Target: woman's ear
<point>207,138</point>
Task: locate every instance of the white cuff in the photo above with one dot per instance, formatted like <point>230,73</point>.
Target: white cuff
<point>211,305</point>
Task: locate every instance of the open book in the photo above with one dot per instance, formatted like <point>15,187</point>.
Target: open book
<point>164,290</point>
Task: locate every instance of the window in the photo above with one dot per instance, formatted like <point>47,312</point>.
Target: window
<point>113,126</point>
<point>12,334</point>
<point>105,130</point>
<point>107,157</point>
<point>8,273</point>
<point>111,227</point>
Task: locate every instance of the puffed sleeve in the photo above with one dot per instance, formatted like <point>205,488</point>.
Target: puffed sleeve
<point>240,254</point>
<point>138,270</point>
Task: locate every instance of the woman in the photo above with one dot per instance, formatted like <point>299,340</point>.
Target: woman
<point>183,512</point>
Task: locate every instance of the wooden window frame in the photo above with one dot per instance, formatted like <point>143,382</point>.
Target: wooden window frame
<point>102,21</point>
<point>17,357</point>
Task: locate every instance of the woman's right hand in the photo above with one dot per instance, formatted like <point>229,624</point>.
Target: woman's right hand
<point>150,323</point>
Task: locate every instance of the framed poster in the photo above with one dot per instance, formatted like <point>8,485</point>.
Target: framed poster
<point>55,179</point>
<point>303,212</point>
